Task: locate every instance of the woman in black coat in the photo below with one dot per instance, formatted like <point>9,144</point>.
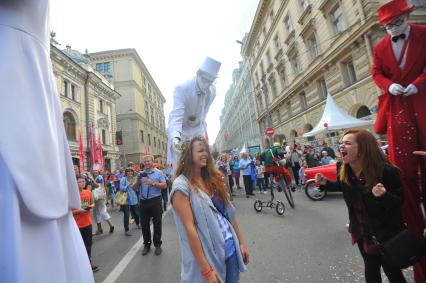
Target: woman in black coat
<point>372,191</point>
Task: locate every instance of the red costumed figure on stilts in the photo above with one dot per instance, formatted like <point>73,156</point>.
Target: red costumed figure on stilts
<point>399,70</point>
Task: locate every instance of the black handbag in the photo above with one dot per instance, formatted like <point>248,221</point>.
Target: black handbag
<point>403,250</point>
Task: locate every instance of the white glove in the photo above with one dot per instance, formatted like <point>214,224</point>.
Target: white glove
<point>396,89</point>
<point>177,146</point>
<point>410,89</point>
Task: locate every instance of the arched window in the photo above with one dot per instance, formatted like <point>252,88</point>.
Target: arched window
<point>363,111</point>
<point>70,126</point>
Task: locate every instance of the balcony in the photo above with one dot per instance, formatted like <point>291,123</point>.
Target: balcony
<point>289,38</point>
<point>306,15</point>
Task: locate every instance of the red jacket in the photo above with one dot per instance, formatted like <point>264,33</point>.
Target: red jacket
<point>386,71</point>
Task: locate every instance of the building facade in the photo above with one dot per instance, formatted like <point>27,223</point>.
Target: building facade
<point>86,97</point>
<point>300,50</point>
<point>238,120</point>
<point>140,109</point>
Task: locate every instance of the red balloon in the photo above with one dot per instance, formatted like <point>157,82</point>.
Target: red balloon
<point>325,125</point>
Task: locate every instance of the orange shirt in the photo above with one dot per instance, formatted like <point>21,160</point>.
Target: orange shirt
<point>84,219</point>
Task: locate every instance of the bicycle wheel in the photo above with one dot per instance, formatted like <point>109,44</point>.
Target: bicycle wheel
<point>289,195</point>
<point>258,205</point>
<point>280,208</point>
<point>313,192</point>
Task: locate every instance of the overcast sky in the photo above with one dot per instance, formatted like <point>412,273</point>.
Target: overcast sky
<point>172,37</point>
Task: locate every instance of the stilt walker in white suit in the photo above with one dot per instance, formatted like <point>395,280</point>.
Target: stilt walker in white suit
<point>39,239</point>
<point>191,102</point>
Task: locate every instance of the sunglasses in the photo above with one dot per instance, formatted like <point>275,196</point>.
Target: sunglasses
<point>395,23</point>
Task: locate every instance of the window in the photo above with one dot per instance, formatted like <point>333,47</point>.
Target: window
<point>277,42</point>
<point>278,115</point>
<point>73,92</point>
<point>149,139</point>
<point>147,110</point>
<point>142,137</point>
<point>262,69</point>
<point>304,4</point>
<point>101,106</point>
<point>65,90</point>
<point>268,57</point>
<point>103,133</point>
<point>283,76</point>
<point>363,111</point>
<point>70,126</point>
<point>155,142</point>
<point>349,73</point>
<point>303,101</point>
<point>288,25</point>
<point>103,68</point>
<point>313,47</point>
<point>295,64</point>
<point>417,3</point>
<point>289,110</point>
<point>336,18</point>
<point>273,84</point>
<point>323,91</point>
<point>264,32</point>
<point>271,16</point>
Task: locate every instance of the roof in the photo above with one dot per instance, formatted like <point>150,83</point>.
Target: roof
<point>335,118</point>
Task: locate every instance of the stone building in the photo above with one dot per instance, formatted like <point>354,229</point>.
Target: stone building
<point>140,109</point>
<point>300,50</point>
<point>86,97</point>
<point>238,120</point>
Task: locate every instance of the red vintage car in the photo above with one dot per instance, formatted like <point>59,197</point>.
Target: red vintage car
<point>312,189</point>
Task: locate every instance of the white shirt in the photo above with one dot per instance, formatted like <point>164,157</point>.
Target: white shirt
<point>397,47</point>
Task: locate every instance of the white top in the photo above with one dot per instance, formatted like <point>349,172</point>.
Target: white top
<point>33,143</point>
<point>188,117</point>
<point>397,47</point>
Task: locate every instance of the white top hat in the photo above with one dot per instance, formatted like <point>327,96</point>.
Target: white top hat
<point>210,66</point>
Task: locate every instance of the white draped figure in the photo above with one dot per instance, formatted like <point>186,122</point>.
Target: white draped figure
<point>39,239</point>
<point>191,102</point>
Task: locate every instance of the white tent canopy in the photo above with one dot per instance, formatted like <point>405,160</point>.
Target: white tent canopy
<point>334,119</point>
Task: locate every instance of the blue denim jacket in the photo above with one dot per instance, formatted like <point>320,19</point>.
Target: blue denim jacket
<point>209,232</point>
<point>126,186</point>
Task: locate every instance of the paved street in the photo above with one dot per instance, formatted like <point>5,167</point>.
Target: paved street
<point>308,244</point>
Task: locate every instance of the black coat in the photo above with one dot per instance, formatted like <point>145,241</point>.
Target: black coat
<point>384,213</point>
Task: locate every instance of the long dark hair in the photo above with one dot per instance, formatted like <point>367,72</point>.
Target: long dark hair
<point>372,158</point>
<point>214,179</point>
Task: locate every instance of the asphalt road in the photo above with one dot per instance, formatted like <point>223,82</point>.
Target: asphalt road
<point>307,244</point>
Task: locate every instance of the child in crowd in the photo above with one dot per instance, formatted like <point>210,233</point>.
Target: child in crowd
<point>302,173</point>
<point>260,170</point>
<point>84,219</point>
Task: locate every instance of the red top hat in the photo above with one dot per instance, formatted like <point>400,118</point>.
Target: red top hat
<point>392,10</point>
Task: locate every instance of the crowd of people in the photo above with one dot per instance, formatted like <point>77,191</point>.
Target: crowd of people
<point>140,192</point>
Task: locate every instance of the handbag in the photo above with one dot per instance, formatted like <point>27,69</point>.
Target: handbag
<point>403,250</point>
<point>98,193</point>
<point>120,198</point>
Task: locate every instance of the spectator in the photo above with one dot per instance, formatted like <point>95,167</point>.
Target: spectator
<point>330,151</point>
<point>294,161</point>
<point>310,157</point>
<point>131,206</point>
<point>84,219</point>
<point>245,167</point>
<point>151,182</point>
<point>236,171</point>
<point>260,176</point>
<point>100,212</point>
<point>372,191</point>
<point>212,244</point>
<point>325,159</point>
<point>302,178</point>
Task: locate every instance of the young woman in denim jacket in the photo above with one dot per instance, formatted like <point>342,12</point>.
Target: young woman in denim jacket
<point>213,248</point>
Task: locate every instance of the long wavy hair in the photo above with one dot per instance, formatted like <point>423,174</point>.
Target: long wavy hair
<point>371,155</point>
<point>214,179</point>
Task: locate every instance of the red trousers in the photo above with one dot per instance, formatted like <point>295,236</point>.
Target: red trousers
<point>407,133</point>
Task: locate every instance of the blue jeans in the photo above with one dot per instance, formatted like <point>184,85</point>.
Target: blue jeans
<point>127,209</point>
<point>232,269</point>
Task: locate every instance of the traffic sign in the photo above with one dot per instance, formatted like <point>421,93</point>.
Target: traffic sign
<point>269,132</point>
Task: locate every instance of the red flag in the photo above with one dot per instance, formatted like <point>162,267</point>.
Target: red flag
<point>82,157</point>
<point>92,147</point>
<point>100,155</point>
<point>206,136</point>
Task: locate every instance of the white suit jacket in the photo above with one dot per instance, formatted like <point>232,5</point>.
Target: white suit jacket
<point>33,143</point>
<point>188,117</point>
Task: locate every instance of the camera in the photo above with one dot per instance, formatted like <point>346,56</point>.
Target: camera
<point>143,175</point>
